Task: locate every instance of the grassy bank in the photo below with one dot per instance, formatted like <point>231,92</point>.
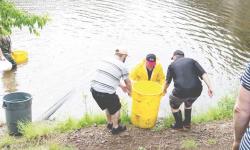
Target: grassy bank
<point>223,110</point>
<point>37,134</point>
<point>41,135</point>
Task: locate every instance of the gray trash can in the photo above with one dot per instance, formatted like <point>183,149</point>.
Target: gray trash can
<point>17,107</point>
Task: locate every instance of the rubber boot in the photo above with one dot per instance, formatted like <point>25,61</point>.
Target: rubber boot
<point>178,121</point>
<point>187,120</point>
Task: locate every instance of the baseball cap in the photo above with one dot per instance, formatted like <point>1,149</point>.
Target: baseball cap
<point>151,59</point>
<point>178,52</point>
<point>121,51</point>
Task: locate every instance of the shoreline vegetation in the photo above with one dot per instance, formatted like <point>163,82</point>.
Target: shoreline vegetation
<point>42,135</point>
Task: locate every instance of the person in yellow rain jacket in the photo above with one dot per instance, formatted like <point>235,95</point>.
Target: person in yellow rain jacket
<point>149,69</point>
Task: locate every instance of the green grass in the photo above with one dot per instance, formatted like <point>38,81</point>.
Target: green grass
<point>211,141</point>
<point>55,146</point>
<point>67,125</point>
<point>32,131</point>
<point>35,130</point>
<point>125,118</point>
<point>168,121</point>
<point>6,141</point>
<point>189,144</point>
<point>45,146</point>
<point>89,120</point>
<point>224,110</point>
<point>141,148</point>
<point>164,123</point>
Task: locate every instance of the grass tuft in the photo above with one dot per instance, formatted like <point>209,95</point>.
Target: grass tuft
<point>6,141</point>
<point>34,130</point>
<point>55,146</point>
<point>85,121</point>
<point>211,141</point>
<point>189,144</point>
<point>67,125</point>
<point>125,118</point>
<point>141,148</point>
<point>88,120</point>
<point>224,110</point>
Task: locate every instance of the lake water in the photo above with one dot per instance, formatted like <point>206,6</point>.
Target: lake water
<point>214,32</point>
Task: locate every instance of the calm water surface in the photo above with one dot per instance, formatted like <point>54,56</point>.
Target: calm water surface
<point>214,32</point>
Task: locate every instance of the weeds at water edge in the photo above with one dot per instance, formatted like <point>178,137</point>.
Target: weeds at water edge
<point>189,144</point>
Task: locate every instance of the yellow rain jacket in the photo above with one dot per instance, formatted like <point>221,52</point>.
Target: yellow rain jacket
<point>139,73</point>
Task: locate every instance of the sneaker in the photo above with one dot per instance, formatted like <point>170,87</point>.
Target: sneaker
<point>175,127</point>
<point>119,129</point>
<point>109,126</point>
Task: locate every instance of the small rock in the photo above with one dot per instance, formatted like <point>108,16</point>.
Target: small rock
<point>172,131</point>
<point>124,134</point>
<point>103,141</point>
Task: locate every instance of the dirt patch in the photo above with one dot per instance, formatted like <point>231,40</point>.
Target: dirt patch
<point>207,136</point>
<point>2,129</point>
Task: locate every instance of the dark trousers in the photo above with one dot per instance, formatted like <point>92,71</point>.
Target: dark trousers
<point>11,60</point>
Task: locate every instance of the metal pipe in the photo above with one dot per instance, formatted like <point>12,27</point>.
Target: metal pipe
<point>55,107</point>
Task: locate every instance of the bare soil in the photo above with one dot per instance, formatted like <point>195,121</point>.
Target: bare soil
<point>206,136</point>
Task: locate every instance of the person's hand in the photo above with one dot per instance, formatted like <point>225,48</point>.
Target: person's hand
<point>210,92</point>
<point>236,145</point>
<point>124,88</point>
<point>129,93</point>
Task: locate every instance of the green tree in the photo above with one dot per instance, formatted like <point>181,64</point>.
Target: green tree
<point>12,17</point>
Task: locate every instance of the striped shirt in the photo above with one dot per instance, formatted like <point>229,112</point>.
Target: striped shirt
<point>245,82</point>
<point>108,75</point>
<point>245,141</point>
<point>245,78</point>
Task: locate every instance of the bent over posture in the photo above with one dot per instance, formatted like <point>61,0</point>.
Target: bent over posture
<point>5,48</point>
<point>104,85</point>
<point>186,74</point>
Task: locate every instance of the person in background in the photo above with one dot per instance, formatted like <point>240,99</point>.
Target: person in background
<point>103,88</point>
<point>148,70</point>
<point>242,114</point>
<point>5,48</point>
<point>1,55</point>
<point>186,73</point>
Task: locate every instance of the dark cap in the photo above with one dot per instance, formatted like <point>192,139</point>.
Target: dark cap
<point>178,52</point>
<point>151,57</point>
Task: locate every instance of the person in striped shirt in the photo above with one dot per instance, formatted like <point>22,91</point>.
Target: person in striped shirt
<point>242,114</point>
<point>103,88</point>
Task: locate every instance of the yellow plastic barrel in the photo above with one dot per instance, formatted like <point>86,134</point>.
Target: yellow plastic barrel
<point>20,56</point>
<point>146,97</point>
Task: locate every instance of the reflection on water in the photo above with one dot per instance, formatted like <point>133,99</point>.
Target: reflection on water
<point>214,32</point>
<point>9,81</point>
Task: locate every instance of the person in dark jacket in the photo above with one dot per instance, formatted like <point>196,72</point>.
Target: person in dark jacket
<point>186,73</point>
<point>5,48</point>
